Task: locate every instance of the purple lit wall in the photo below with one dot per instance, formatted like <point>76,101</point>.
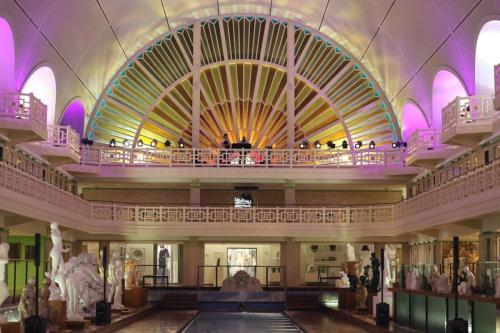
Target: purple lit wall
<point>7,56</point>
<point>413,118</point>
<point>446,87</point>
<point>74,116</point>
<point>42,83</point>
<point>487,56</point>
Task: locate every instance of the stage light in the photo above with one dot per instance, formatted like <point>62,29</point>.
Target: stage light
<point>168,143</point>
<point>112,143</point>
<point>358,144</point>
<point>181,143</point>
<point>405,144</point>
<point>304,144</point>
<point>396,144</point>
<point>126,143</point>
<point>140,143</point>
<point>317,144</point>
<point>154,143</point>
<point>345,144</point>
<point>330,144</point>
<point>371,145</point>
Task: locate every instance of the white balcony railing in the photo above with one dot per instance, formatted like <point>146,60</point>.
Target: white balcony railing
<point>467,111</point>
<point>497,87</point>
<point>24,108</point>
<point>243,158</point>
<point>424,139</point>
<point>63,137</point>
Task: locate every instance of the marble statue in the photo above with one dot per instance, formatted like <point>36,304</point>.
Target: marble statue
<point>351,255</point>
<point>344,277</point>
<point>443,286</point>
<point>56,274</point>
<point>412,279</point>
<point>392,261</point>
<point>4,291</point>
<point>241,281</point>
<point>361,294</point>
<point>468,282</point>
<point>130,272</point>
<point>435,276</point>
<point>115,276</point>
<point>43,301</point>
<point>497,286</point>
<point>27,301</point>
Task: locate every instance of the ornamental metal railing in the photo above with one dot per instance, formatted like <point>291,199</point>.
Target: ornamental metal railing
<point>467,111</point>
<point>241,158</point>
<point>63,137</point>
<point>24,108</point>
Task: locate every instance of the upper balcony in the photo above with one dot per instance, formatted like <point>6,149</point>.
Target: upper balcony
<point>496,102</point>
<point>61,147</point>
<point>426,150</point>
<point>23,117</point>
<point>468,120</point>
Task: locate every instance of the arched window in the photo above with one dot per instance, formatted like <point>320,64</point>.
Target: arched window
<point>412,118</point>
<point>7,56</point>
<point>487,56</point>
<point>74,116</point>
<point>42,83</point>
<point>446,87</point>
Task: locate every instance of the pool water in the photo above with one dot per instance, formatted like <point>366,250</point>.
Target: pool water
<point>241,322</point>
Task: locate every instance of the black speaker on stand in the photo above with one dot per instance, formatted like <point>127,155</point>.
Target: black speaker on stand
<point>35,324</point>
<point>382,309</point>
<point>103,308</point>
<point>457,325</point>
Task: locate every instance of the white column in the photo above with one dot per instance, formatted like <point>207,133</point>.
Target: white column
<point>290,85</point>
<point>195,112</point>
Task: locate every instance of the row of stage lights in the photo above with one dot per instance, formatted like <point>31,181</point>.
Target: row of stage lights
<point>331,144</point>
<point>140,143</point>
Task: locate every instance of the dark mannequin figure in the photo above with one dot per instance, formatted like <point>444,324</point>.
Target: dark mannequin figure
<point>375,282</point>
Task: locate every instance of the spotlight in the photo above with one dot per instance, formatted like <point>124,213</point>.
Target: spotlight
<point>395,145</point>
<point>405,144</point>
<point>345,144</point>
<point>126,143</point>
<point>358,144</point>
<point>181,143</point>
<point>330,144</point>
<point>154,143</point>
<point>87,141</point>
<point>112,143</point>
<point>304,144</point>
<point>140,143</point>
<point>317,144</point>
<point>167,143</point>
<point>371,145</point>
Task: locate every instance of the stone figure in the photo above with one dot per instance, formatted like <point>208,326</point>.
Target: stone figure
<point>351,255</point>
<point>361,294</point>
<point>412,279</point>
<point>27,301</point>
<point>365,257</point>
<point>241,281</point>
<point>57,272</point>
<point>43,301</point>
<point>4,291</point>
<point>354,278</point>
<point>497,286</point>
<point>344,277</point>
<point>375,265</point>
<point>392,261</point>
<point>435,276</point>
<point>130,272</point>
<point>443,285</point>
<point>468,282</point>
<point>115,275</point>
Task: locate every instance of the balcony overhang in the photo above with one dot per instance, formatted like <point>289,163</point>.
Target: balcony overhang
<point>429,157</point>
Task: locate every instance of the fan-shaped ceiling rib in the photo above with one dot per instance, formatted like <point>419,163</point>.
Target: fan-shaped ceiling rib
<point>243,88</point>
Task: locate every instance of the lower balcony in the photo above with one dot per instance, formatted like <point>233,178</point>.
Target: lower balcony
<point>61,147</point>
<point>426,150</point>
<point>468,120</point>
<point>23,118</point>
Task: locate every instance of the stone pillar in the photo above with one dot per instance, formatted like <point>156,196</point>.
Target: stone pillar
<point>193,257</point>
<point>290,258</point>
<point>194,194</point>
<point>290,194</point>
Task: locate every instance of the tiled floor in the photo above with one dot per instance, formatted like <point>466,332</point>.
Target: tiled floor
<point>319,322</point>
<point>161,322</point>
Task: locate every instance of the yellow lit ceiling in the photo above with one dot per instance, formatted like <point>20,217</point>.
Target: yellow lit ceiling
<point>239,66</point>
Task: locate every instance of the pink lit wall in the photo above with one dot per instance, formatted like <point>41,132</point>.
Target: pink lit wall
<point>74,116</point>
<point>413,118</point>
<point>487,56</point>
<point>446,87</point>
<point>7,56</point>
<point>42,83</point>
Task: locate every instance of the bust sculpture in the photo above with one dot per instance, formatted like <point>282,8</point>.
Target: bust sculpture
<point>130,272</point>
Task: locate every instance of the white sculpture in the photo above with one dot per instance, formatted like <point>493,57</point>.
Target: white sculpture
<point>443,286</point>
<point>435,276</point>
<point>351,255</point>
<point>130,272</point>
<point>344,279</point>
<point>393,261</point>
<point>4,291</point>
<point>465,287</point>
<point>412,280</point>
<point>57,272</point>
<point>115,276</point>
<point>497,286</point>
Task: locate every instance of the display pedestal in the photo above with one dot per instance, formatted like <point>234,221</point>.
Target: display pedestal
<point>387,299</point>
<point>135,297</point>
<point>58,309</point>
<point>14,327</point>
<point>347,299</point>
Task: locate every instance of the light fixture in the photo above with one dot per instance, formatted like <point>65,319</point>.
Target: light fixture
<point>371,145</point>
<point>154,143</point>
<point>304,144</point>
<point>395,144</point>
<point>345,144</point>
<point>126,143</point>
<point>358,144</point>
<point>330,144</point>
<point>87,141</point>
<point>112,143</point>
<point>405,144</point>
<point>140,143</point>
<point>181,143</point>
<point>167,143</point>
<point>317,144</point>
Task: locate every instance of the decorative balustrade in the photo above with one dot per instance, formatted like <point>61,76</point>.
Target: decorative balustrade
<point>466,112</point>
<point>242,158</point>
<point>497,87</point>
<point>63,137</point>
<point>424,139</point>
<point>24,108</point>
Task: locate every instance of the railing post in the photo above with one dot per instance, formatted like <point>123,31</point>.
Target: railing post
<point>267,276</point>
<point>136,213</point>
<point>290,154</point>
<point>348,215</point>
<point>324,215</point>
<point>370,213</point>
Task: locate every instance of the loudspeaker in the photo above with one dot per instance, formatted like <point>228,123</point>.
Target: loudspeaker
<point>102,313</point>
<point>457,326</point>
<point>34,324</point>
<point>382,314</point>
